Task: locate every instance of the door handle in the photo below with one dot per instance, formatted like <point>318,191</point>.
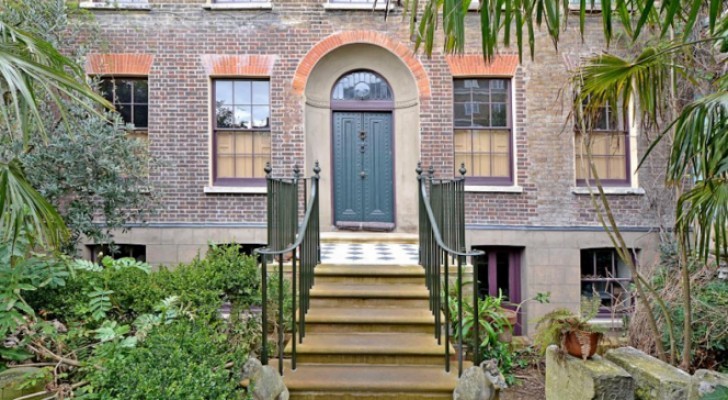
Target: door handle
<point>362,135</point>
<point>362,174</point>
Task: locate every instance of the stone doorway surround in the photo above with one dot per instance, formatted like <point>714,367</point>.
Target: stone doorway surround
<point>315,77</point>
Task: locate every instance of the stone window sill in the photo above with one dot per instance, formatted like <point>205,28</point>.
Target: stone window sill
<point>381,6</point>
<point>235,190</point>
<point>113,5</point>
<point>493,189</point>
<point>262,5</point>
<point>620,191</point>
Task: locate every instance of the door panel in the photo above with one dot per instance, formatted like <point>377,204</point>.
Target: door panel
<point>377,163</point>
<point>363,170</point>
<point>347,165</point>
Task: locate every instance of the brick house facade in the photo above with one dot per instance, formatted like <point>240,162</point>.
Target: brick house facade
<point>542,219</point>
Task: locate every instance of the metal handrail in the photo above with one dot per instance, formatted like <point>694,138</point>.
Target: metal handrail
<point>307,237</point>
<point>435,254</point>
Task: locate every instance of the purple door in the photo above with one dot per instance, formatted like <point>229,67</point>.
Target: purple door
<point>499,270</point>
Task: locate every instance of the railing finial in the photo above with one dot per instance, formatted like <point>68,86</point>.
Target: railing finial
<point>268,169</point>
<point>316,169</point>
<point>431,171</point>
<point>296,171</point>
<point>462,170</point>
<point>419,170</point>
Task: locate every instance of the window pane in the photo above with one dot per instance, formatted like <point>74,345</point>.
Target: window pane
<point>600,144</point>
<point>242,117</point>
<point>225,143</point>
<point>123,90</point>
<point>617,168</point>
<point>498,115</point>
<point>107,89</point>
<point>461,96</point>
<point>481,96</point>
<point>141,116</point>
<point>481,164</point>
<point>360,85</point>
<point>261,143</point>
<point>462,141</point>
<point>481,116</point>
<point>261,92</point>
<point>225,117</point>
<point>498,96</point>
<point>498,84</point>
<point>604,263</point>
<point>243,166</point>
<point>501,166</point>
<point>616,144</point>
<point>503,274</point>
<point>141,91</point>
<point>500,140</point>
<point>225,167</point>
<point>125,111</point>
<point>601,165</point>
<point>261,117</point>
<point>242,93</point>
<point>223,93</point>
<point>461,117</point>
<point>481,141</point>
<point>243,143</point>
<point>582,167</point>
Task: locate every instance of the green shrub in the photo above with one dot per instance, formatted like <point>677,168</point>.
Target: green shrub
<point>203,284</point>
<point>182,360</point>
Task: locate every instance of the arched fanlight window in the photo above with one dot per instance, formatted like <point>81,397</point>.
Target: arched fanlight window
<point>361,86</point>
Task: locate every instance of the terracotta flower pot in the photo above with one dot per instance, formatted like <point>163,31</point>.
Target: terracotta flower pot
<point>582,344</point>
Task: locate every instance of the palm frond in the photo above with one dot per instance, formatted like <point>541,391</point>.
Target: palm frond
<point>499,17</point>
<point>22,207</point>
<point>29,67</point>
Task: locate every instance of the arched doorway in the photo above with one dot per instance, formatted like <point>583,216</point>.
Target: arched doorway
<point>362,157</point>
<point>404,108</point>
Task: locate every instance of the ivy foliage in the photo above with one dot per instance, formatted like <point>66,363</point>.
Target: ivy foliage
<point>118,330</point>
<point>184,360</point>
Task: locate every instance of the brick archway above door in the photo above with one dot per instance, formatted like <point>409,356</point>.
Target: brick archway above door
<point>340,39</point>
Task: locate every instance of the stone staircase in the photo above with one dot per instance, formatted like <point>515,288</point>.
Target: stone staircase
<point>369,335</point>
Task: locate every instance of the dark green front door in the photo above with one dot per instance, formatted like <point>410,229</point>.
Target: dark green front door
<point>363,170</point>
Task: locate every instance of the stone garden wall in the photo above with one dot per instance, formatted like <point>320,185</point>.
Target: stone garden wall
<point>625,374</point>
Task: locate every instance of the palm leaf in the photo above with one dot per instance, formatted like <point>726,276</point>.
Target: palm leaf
<point>20,204</point>
<point>30,66</point>
<point>554,13</point>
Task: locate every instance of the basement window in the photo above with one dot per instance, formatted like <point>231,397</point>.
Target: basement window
<point>116,251</point>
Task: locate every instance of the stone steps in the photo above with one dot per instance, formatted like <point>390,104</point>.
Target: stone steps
<point>371,275</point>
<point>369,335</point>
<point>360,382</point>
<point>360,319</point>
<point>371,348</point>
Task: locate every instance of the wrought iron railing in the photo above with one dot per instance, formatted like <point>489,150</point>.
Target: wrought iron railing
<point>286,236</point>
<point>442,244</point>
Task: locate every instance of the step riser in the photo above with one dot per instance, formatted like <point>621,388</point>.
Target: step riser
<point>365,279</point>
<point>296,395</point>
<point>328,302</point>
<point>373,328</point>
<point>372,359</point>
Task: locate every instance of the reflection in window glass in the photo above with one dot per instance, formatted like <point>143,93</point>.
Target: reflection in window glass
<point>242,129</point>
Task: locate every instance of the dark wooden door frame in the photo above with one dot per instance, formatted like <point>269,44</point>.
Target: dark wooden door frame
<point>514,276</point>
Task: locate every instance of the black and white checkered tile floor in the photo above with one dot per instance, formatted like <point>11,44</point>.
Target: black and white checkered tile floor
<point>369,253</point>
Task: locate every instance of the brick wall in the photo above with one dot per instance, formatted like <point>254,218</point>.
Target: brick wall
<point>177,33</point>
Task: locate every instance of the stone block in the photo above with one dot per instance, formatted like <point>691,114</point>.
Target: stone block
<point>654,379</point>
<point>11,378</point>
<point>705,383</point>
<point>570,378</point>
